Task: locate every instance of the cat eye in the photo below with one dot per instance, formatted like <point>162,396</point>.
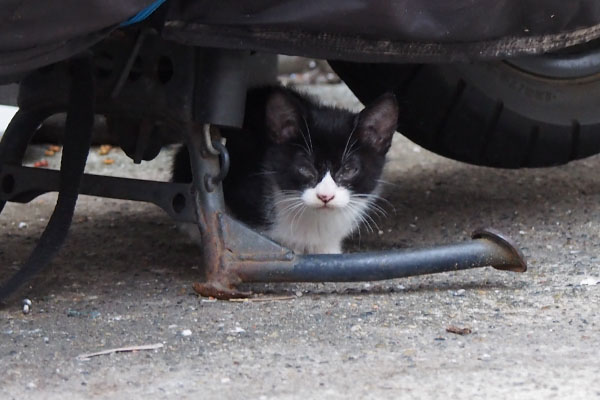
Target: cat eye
<point>348,172</point>
<point>306,172</point>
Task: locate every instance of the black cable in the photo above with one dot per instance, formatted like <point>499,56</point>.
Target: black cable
<point>78,134</point>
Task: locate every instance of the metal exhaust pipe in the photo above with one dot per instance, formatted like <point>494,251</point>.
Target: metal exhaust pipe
<point>489,248</point>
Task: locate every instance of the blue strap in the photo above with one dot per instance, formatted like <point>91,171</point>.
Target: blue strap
<point>145,13</point>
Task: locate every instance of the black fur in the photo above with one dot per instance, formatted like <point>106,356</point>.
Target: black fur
<point>291,141</point>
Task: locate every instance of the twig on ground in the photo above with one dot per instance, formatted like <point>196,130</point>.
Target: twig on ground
<point>264,299</point>
<point>87,356</point>
<point>458,331</point>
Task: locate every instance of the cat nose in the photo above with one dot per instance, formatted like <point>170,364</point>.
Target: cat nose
<point>325,197</point>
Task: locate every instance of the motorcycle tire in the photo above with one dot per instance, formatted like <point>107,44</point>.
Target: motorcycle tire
<point>498,114</point>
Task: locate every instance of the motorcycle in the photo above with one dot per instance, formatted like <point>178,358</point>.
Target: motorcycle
<point>501,83</point>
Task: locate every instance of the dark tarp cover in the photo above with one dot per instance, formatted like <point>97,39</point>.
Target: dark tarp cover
<point>34,33</point>
<point>387,30</point>
<point>444,21</point>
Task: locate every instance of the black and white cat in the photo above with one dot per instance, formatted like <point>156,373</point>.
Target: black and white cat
<point>304,174</point>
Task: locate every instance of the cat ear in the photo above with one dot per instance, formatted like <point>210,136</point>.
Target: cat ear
<point>283,118</point>
<point>377,123</point>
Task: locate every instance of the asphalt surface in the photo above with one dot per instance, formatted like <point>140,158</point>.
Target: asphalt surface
<point>124,278</point>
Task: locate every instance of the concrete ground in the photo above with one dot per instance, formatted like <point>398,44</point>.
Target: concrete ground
<point>124,278</point>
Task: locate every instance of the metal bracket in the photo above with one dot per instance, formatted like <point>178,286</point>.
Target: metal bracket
<point>23,184</point>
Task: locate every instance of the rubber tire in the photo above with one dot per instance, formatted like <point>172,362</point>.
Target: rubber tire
<point>489,114</point>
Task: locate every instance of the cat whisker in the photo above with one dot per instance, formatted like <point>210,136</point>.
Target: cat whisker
<point>298,213</point>
<point>264,173</point>
<point>351,150</point>
<point>383,182</point>
<point>358,230</point>
<point>372,220</point>
<point>302,213</point>
<point>355,224</point>
<point>361,216</point>
<point>287,206</point>
<point>369,204</point>
<point>286,194</point>
<point>373,198</point>
<point>375,208</point>
<point>348,141</point>
<point>369,195</point>
<point>367,224</point>
<point>281,191</point>
<point>304,148</point>
<point>289,209</point>
<point>366,216</point>
<point>286,200</point>
<point>308,133</point>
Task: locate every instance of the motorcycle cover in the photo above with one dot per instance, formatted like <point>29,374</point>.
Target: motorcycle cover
<point>34,33</point>
<point>387,30</point>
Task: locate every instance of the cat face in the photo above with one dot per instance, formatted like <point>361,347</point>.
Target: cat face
<point>324,158</point>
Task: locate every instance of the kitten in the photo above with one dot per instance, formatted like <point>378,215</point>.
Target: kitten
<point>304,174</point>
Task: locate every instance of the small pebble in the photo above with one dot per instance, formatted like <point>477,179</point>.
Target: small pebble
<point>27,306</point>
<point>94,314</point>
<point>104,149</point>
<point>73,313</point>
<point>590,281</point>
<point>22,225</point>
<point>186,332</point>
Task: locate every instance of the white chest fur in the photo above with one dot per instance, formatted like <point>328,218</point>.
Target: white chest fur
<point>315,230</point>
